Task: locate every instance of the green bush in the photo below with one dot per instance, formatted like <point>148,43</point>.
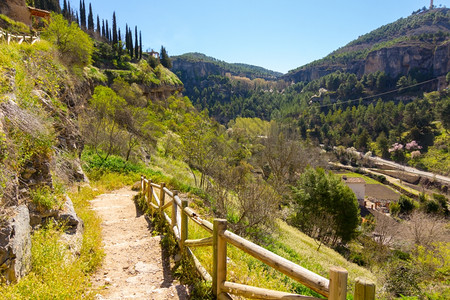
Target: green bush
<point>75,46</point>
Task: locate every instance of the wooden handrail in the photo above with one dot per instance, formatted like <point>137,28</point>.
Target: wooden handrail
<point>335,288</point>
<point>300,274</point>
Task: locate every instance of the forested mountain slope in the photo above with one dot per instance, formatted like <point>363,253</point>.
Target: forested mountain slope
<point>416,45</point>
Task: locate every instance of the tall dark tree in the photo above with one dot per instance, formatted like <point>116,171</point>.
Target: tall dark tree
<point>77,19</point>
<point>82,15</point>
<point>164,58</point>
<point>64,10</point>
<point>107,31</point>
<point>120,43</point>
<point>136,43</point>
<point>130,37</point>
<point>69,12</point>
<point>127,38</point>
<point>103,29</point>
<point>90,19</point>
<point>98,25</point>
<point>140,44</point>
<point>114,30</point>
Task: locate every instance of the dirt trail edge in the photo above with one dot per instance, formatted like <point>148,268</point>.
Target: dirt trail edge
<point>135,267</point>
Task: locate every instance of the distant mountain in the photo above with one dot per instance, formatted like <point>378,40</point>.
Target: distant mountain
<point>419,43</point>
<point>199,64</point>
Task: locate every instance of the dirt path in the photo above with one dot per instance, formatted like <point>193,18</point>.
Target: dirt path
<point>135,267</point>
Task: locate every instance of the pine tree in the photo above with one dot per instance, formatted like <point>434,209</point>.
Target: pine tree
<point>164,58</point>
<point>90,19</point>
<point>114,30</point>
<point>98,25</point>
<point>140,44</point>
<point>136,45</point>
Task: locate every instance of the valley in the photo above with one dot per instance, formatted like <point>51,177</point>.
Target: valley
<point>341,162</point>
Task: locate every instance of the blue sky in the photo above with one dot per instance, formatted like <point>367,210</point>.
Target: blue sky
<point>279,35</point>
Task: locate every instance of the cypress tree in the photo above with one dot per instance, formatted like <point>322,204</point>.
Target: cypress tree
<point>69,13</point>
<point>130,35</point>
<point>77,19</point>
<point>140,44</point>
<point>90,19</point>
<point>81,14</point>
<point>136,45</point>
<point>64,10</point>
<point>107,30</point>
<point>120,43</point>
<point>103,29</point>
<point>98,25</point>
<point>114,30</point>
<point>127,41</point>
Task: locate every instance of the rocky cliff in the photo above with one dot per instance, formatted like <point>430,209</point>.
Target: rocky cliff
<point>16,10</point>
<point>417,44</point>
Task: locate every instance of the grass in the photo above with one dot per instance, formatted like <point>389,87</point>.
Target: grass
<point>368,180</point>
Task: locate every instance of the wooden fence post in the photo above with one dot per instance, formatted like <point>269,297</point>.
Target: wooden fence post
<point>338,283</point>
<point>219,256</point>
<point>149,194</point>
<point>142,183</point>
<point>364,289</point>
<point>184,224</point>
<point>144,189</point>
<point>174,209</point>
<point>162,195</point>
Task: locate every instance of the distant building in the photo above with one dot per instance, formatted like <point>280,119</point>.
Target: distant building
<point>154,54</point>
<point>358,186</point>
<point>37,15</point>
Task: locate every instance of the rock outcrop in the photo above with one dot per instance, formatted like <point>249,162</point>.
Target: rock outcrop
<point>16,10</point>
<point>15,245</point>
<point>395,61</point>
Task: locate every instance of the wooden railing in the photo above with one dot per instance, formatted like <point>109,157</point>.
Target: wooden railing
<point>159,198</point>
<point>8,37</point>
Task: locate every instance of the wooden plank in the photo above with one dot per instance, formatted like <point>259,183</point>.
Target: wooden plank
<point>169,221</point>
<point>176,232</point>
<point>168,192</point>
<point>154,205</point>
<point>296,272</point>
<point>208,241</point>
<point>338,283</point>
<point>201,270</point>
<point>219,256</point>
<point>161,195</point>
<point>184,223</point>
<point>203,223</point>
<point>167,204</point>
<point>260,293</point>
<point>177,200</point>
<point>155,185</point>
<point>364,289</point>
<point>156,198</point>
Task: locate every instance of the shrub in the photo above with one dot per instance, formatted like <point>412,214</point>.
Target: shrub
<point>75,46</point>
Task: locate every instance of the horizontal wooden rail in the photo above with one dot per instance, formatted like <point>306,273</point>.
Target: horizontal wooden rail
<point>300,274</point>
<point>200,242</point>
<point>260,293</point>
<point>335,288</point>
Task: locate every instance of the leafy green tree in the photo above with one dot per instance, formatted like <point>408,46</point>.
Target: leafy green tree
<point>75,46</point>
<point>383,145</point>
<point>327,209</point>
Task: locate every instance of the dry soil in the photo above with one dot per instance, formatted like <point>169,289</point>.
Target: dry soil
<point>135,266</point>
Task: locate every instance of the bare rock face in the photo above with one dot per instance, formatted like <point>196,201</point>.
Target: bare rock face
<point>16,10</point>
<point>15,245</point>
<point>401,60</point>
